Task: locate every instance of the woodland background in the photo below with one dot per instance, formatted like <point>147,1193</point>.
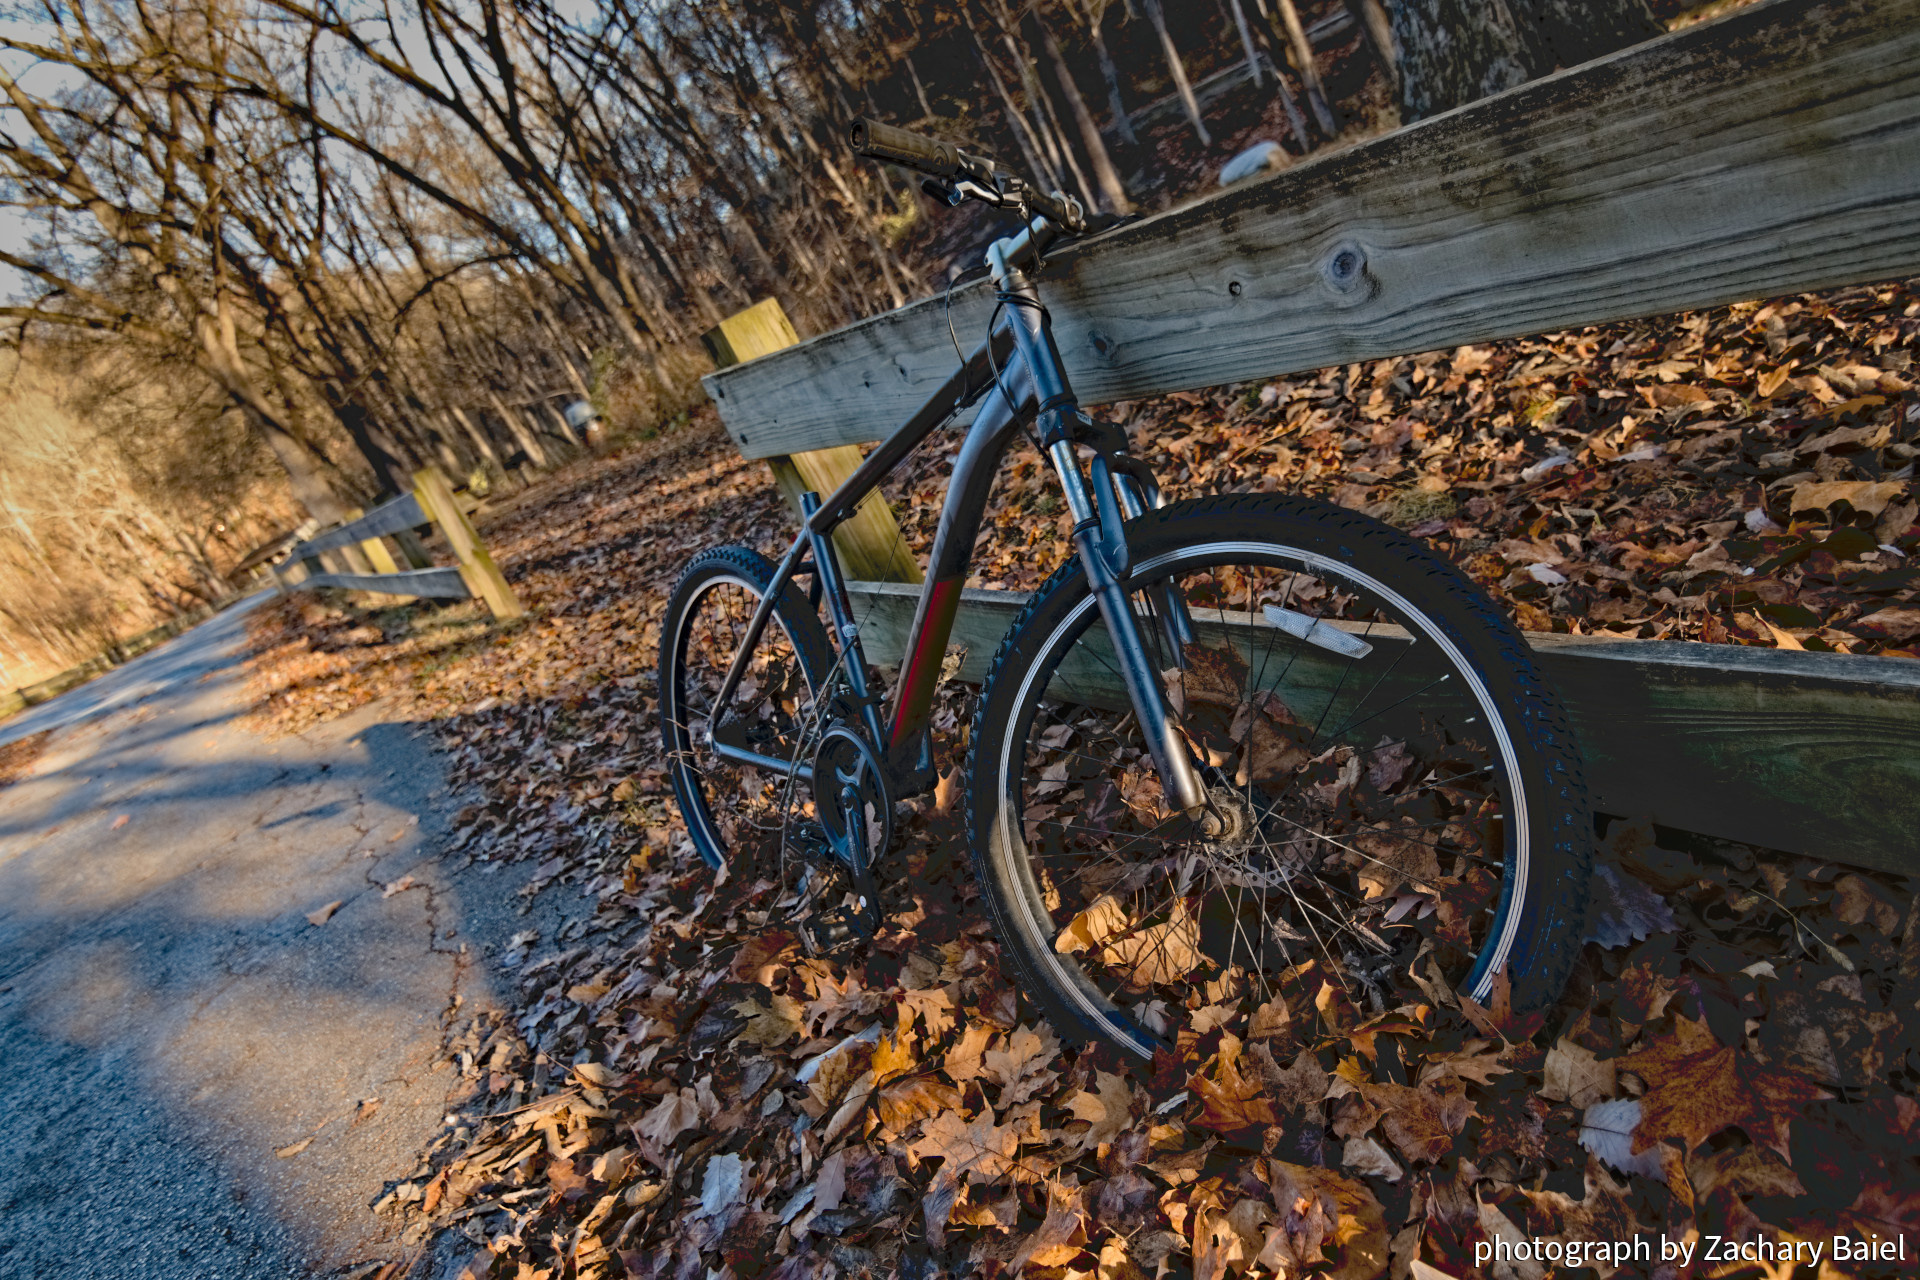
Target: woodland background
<point>264,259</point>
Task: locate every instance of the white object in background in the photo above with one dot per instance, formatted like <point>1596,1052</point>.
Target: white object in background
<point>1257,158</point>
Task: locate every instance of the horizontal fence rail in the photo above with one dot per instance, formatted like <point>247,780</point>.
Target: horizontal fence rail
<point>426,584</point>
<point>1812,752</point>
<point>431,502</point>
<point>1770,151</point>
<point>383,521</point>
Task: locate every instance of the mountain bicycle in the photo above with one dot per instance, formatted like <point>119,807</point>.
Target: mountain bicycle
<point>1236,749</point>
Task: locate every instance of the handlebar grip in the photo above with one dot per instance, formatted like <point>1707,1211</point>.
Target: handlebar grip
<point>903,147</point>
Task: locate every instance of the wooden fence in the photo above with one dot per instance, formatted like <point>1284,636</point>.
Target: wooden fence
<point>1773,150</point>
<point>431,502</point>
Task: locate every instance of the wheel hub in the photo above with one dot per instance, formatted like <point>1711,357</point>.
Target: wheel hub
<point>1238,854</point>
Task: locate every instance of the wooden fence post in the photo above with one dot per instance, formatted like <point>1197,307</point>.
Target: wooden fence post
<point>482,576</point>
<point>870,541</point>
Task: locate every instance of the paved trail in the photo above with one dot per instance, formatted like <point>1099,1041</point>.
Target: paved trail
<point>168,1017</point>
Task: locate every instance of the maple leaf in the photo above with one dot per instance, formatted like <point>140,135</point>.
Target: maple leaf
<point>1697,1086</point>
<point>979,1153</point>
<point>1577,1075</point>
<point>672,1116</point>
<point>1108,1110</point>
<point>1234,1102</point>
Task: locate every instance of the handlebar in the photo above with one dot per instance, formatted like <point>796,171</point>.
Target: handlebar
<point>973,176</point>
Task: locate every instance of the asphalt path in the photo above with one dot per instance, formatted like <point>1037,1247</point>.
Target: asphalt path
<point>195,1081</point>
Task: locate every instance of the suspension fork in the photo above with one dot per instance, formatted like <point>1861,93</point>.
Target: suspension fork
<point>1098,541</point>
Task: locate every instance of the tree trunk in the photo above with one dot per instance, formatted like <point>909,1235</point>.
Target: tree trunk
<point>1296,35</point>
<point>1112,190</point>
<point>1179,70</point>
<point>1122,122</point>
<point>1029,147</point>
<point>1453,52</point>
<point>1295,120</point>
<point>1246,43</point>
<point>1379,28</point>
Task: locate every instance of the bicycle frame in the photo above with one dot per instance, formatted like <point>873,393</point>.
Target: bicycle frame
<point>1031,389</point>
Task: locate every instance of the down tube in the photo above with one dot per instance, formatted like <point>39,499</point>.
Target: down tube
<point>1000,419</point>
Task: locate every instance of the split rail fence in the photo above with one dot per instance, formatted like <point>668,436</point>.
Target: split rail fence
<point>1773,150</point>
<point>361,544</point>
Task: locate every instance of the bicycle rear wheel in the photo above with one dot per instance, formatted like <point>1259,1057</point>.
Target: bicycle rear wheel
<point>737,815</point>
<point>1392,777</point>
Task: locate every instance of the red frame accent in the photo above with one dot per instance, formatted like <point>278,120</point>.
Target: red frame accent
<point>914,702</point>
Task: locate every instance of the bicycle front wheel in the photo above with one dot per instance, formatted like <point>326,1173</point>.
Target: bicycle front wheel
<point>1394,784</point>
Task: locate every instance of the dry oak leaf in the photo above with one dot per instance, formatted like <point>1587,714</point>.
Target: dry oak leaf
<point>769,1026</point>
<point>672,1116</point>
<point>1696,1087</point>
<point>757,954</point>
<point>1474,1061</point>
<point>1158,953</point>
<point>892,1058</point>
<point>1020,1066</point>
<point>934,1007</point>
<point>1299,1089</point>
<point>1108,1110</point>
<point>1322,1213</point>
<point>1102,919</point>
<point>1233,1101</point>
<point>981,1150</point>
<point>1420,1121</point>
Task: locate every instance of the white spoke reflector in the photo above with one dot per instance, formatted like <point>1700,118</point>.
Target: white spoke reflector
<point>1317,631</point>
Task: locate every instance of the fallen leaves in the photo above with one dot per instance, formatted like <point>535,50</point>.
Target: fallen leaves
<point>1697,1086</point>
<point>739,1104</point>
<point>320,915</point>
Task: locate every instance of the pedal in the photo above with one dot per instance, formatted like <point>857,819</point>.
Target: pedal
<point>829,931</point>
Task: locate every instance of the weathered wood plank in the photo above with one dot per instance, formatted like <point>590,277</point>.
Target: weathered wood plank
<point>383,521</point>
<point>1808,752</point>
<point>1775,149</point>
<point>434,584</point>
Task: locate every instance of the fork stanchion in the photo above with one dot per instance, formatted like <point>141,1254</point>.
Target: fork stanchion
<point>869,542</point>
